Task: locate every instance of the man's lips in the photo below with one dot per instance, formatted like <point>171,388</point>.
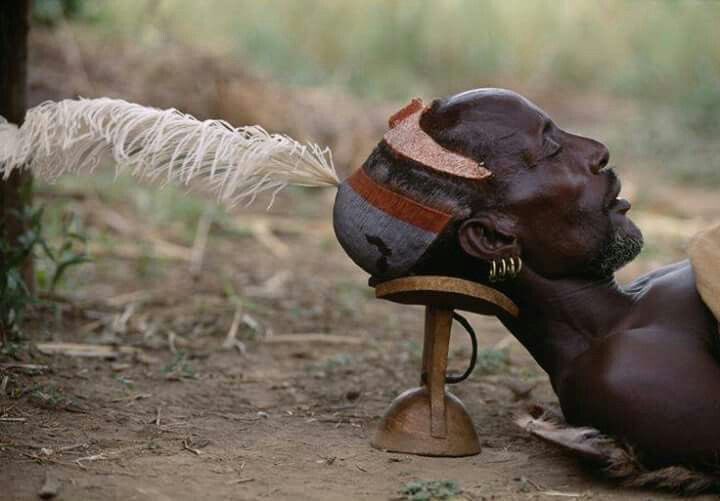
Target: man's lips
<point>620,205</point>
<point>612,202</point>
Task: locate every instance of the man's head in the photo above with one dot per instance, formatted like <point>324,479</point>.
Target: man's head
<point>550,200</point>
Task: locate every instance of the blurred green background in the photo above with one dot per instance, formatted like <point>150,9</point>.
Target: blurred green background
<point>661,57</point>
<point>642,76</point>
<point>661,50</point>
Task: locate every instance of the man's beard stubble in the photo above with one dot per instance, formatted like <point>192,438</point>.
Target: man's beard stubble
<point>617,250</point>
<point>620,245</point>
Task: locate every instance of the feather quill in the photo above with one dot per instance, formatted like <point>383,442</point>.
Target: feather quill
<point>235,163</point>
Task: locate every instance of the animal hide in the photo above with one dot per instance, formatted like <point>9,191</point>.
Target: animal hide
<point>617,460</point>
<point>236,164</point>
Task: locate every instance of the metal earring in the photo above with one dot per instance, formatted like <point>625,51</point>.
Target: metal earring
<point>512,272</point>
<point>498,270</point>
<point>502,269</point>
<point>492,276</point>
<point>518,269</point>
<point>515,266</point>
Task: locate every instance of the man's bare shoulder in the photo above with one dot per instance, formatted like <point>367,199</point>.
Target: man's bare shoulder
<point>668,297</point>
<point>675,269</point>
<point>669,317</point>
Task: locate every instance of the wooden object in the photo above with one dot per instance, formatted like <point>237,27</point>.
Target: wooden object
<point>429,420</point>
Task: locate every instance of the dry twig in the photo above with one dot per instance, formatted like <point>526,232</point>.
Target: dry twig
<point>231,340</point>
<point>25,367</point>
<point>262,231</point>
<point>87,350</point>
<point>187,447</point>
<point>239,481</point>
<point>197,255</point>
<point>314,338</point>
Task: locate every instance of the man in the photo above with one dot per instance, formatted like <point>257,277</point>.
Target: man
<point>541,211</point>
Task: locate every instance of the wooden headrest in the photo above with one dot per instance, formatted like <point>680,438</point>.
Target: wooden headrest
<point>447,292</point>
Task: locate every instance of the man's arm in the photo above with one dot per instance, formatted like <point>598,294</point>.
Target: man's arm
<point>659,392</point>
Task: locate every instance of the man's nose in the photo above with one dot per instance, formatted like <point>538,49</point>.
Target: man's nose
<point>598,156</point>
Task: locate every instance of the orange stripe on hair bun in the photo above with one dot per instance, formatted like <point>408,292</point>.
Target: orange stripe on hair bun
<point>398,206</point>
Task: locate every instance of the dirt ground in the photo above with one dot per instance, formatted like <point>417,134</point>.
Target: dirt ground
<point>218,385</point>
<point>245,357</point>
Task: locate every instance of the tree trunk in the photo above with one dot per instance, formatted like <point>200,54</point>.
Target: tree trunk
<point>15,192</point>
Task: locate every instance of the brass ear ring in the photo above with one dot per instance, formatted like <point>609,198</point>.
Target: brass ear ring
<point>515,266</point>
<point>502,274</point>
<point>503,269</point>
<point>519,265</point>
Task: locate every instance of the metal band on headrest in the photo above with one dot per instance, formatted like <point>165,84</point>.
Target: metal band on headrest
<point>407,139</point>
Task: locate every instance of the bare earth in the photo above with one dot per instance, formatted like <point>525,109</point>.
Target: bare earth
<point>277,413</point>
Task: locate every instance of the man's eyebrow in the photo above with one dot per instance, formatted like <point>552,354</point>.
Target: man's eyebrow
<point>547,124</point>
<point>507,136</point>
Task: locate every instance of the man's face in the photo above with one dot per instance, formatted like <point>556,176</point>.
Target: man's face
<point>561,198</point>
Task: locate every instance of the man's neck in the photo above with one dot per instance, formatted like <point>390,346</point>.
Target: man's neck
<point>561,319</point>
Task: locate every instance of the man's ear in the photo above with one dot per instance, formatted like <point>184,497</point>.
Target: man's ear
<point>488,237</point>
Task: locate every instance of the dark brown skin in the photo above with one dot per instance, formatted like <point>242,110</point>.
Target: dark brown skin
<point>638,361</point>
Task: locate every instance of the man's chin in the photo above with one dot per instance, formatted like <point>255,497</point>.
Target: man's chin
<point>634,231</point>
<point>627,227</point>
<point>620,248</point>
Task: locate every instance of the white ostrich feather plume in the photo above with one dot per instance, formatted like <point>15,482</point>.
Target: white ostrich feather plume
<point>236,164</point>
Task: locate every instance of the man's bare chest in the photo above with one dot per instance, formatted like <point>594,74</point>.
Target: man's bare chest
<point>668,307</point>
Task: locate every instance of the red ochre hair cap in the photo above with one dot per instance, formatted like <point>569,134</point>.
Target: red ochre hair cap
<point>412,107</point>
<point>385,232</point>
<point>407,139</point>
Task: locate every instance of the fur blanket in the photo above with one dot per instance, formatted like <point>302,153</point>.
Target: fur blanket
<point>616,459</point>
